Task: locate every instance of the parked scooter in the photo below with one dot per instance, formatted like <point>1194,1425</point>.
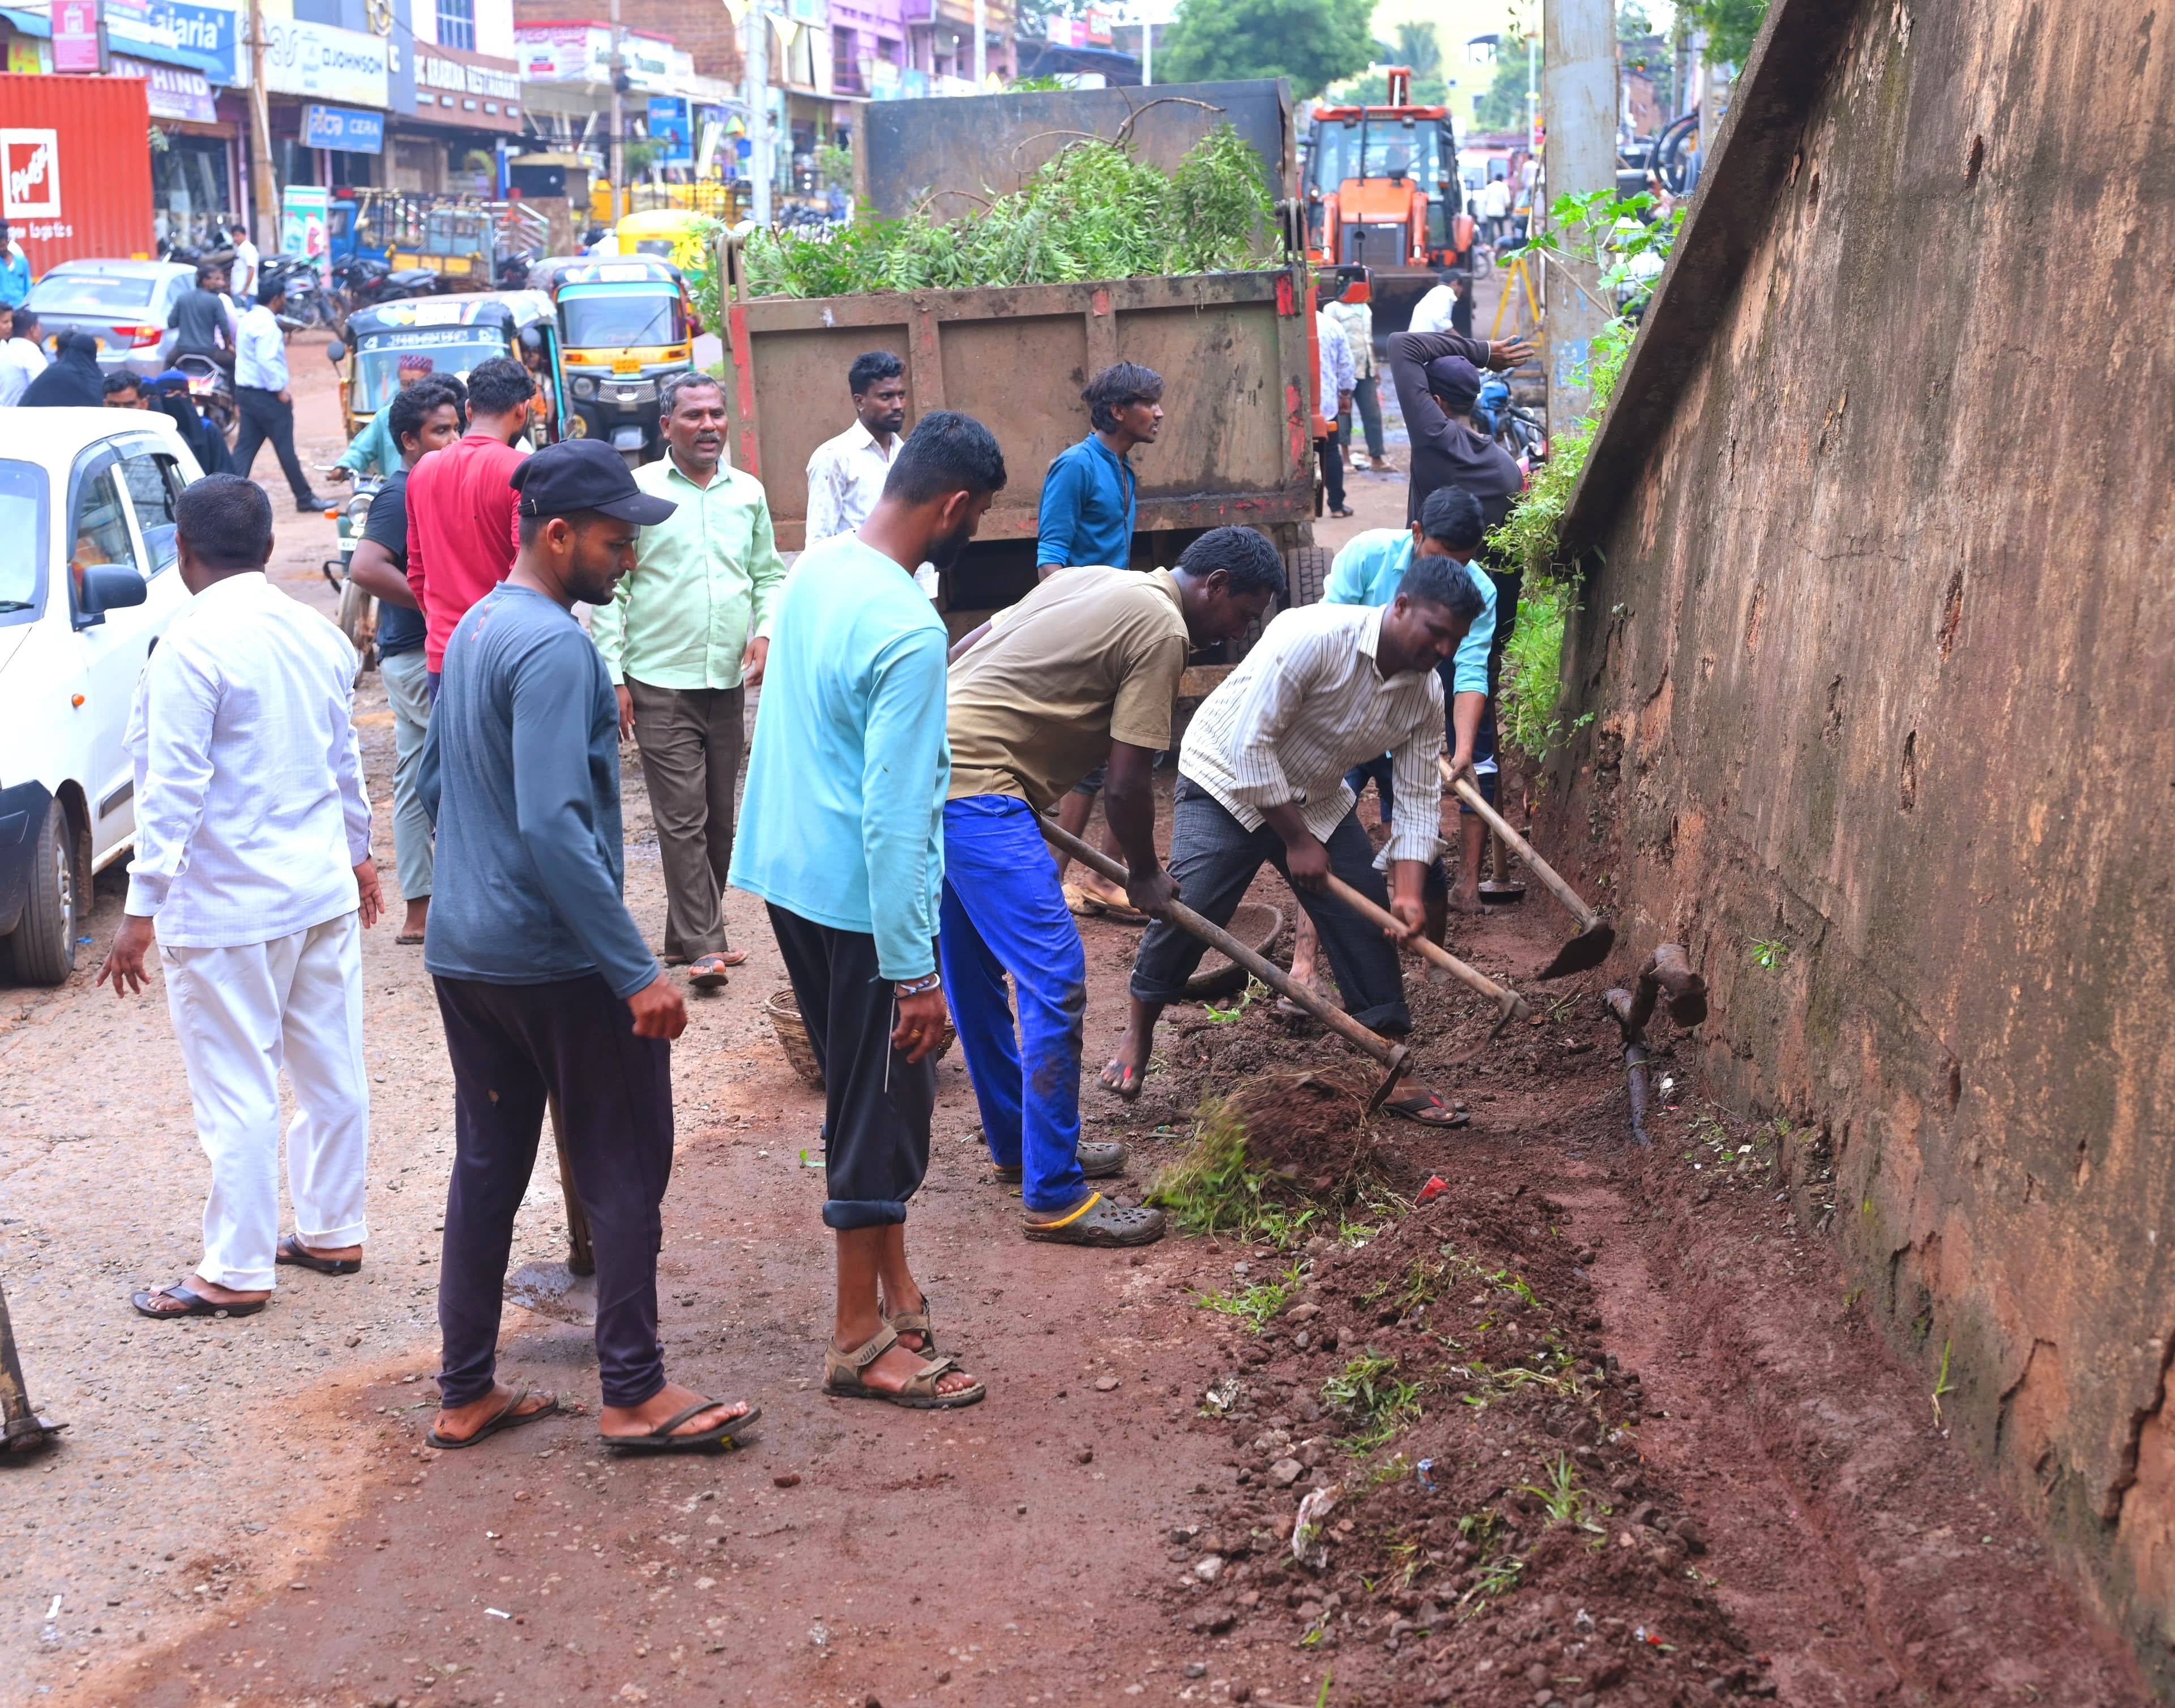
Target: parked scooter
<point>308,302</point>
<point>211,388</point>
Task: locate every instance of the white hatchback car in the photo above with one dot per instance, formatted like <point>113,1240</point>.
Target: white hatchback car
<point>87,586</point>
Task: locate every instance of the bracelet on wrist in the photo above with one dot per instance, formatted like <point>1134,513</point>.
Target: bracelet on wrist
<point>917,987</point>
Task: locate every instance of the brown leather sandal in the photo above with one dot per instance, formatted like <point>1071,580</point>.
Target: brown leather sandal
<point>842,1376</point>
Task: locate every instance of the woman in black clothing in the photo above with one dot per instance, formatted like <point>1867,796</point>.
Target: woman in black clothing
<point>72,380</point>
<point>1438,383</point>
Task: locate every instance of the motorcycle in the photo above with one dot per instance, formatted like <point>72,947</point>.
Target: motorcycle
<point>358,611</point>
<point>211,389</point>
<point>308,302</point>
<point>366,282</point>
<point>1513,426</point>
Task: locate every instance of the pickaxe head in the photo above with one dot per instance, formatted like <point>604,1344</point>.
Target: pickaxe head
<point>1585,952</point>
<point>1398,1056</point>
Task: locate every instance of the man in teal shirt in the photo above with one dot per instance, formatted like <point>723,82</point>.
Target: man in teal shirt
<point>1367,572</point>
<point>845,840</point>
<point>683,639</point>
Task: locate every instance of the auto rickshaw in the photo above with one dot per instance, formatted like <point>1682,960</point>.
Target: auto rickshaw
<point>625,326</point>
<point>397,344</point>
<point>670,234</point>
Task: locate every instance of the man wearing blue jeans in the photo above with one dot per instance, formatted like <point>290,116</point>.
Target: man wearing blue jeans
<point>1084,670</point>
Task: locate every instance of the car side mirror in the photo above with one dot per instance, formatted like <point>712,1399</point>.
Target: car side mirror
<point>335,352</point>
<point>108,587</point>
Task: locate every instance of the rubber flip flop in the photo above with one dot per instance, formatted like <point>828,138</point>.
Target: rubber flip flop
<point>197,1305</point>
<point>733,958</point>
<point>1128,1086</point>
<point>1100,1159</point>
<point>709,974</point>
<point>289,1250</point>
<point>1097,1222</point>
<point>1080,904</point>
<point>1422,1107</point>
<point>661,1440</point>
<point>410,938</point>
<point>510,1416</point>
<point>1119,913</point>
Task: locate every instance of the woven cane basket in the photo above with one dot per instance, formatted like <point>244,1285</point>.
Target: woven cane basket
<point>792,1031</point>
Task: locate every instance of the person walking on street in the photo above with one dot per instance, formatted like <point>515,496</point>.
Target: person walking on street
<point>846,475</point>
<point>1337,380</point>
<point>546,989</point>
<point>1082,671</point>
<point>1495,209</point>
<point>844,838</point>
<point>252,873</point>
<point>246,265</point>
<point>462,530</point>
<point>421,419</point>
<point>1090,502</point>
<point>1261,776</point>
<point>261,396</point>
<point>683,638</point>
<point>22,357</point>
<point>14,270</point>
<point>1358,321</point>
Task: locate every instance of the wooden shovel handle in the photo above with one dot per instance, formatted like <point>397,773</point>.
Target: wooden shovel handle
<point>1540,868</point>
<point>1511,1002</point>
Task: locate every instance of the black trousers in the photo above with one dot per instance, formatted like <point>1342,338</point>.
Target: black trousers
<point>1332,470</point>
<point>263,416</point>
<point>876,1108</point>
<point>1214,858</point>
<point>514,1046</point>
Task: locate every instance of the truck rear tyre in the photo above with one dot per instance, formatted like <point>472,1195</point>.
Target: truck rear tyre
<point>1306,568</point>
<point>42,945</point>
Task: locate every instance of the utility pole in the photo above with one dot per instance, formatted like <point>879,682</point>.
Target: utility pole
<point>758,106</point>
<point>617,157</point>
<point>981,46</point>
<point>1532,96</point>
<point>265,191</point>
<point>1579,91</point>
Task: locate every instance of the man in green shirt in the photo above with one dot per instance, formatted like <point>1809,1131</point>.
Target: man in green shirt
<point>683,638</point>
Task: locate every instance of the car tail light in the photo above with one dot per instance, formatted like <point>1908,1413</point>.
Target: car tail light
<point>140,337</point>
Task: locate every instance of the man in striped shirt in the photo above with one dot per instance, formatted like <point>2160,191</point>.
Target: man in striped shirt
<point>1261,778</point>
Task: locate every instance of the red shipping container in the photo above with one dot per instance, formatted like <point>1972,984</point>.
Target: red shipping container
<point>75,168</point>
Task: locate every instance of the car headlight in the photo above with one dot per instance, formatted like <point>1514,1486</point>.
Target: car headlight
<point>585,388</point>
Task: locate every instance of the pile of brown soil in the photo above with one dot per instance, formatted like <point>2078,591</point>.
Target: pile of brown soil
<point>1490,1535</point>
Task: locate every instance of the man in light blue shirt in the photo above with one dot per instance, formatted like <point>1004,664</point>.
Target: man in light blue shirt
<point>261,396</point>
<point>14,271</point>
<point>1367,572</point>
<point>842,834</point>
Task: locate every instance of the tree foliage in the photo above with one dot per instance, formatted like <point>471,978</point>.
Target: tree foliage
<point>1503,107</point>
<point>1731,26</point>
<point>1313,42</point>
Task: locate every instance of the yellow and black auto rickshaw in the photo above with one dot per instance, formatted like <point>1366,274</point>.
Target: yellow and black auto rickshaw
<point>625,326</point>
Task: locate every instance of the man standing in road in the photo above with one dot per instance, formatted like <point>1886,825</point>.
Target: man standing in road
<point>462,529</point>
<point>261,396</point>
<point>683,638</point>
<point>246,259</point>
<point>252,870</point>
<point>1358,320</point>
<point>22,357</point>
<point>1495,209</point>
<point>1082,671</point>
<point>421,419</point>
<point>1336,379</point>
<point>14,270</point>
<point>546,989</point>
<point>1090,501</point>
<point>1261,776</point>
<point>843,837</point>
<point>846,475</point>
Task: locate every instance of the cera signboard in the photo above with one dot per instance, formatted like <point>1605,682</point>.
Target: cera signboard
<point>75,178</point>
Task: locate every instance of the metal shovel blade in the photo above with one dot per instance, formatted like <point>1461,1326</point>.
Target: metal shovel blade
<point>1584,952</point>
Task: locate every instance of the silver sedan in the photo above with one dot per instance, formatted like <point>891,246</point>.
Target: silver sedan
<point>123,304</point>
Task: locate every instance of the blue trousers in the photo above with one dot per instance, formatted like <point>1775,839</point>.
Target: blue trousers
<point>1004,912</point>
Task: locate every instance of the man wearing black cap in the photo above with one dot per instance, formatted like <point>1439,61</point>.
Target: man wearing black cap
<point>545,985</point>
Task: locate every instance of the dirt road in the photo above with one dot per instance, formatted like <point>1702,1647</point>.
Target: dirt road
<point>246,1511</point>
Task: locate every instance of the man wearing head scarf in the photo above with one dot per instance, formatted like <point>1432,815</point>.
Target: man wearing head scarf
<point>74,380</point>
<point>1437,386</point>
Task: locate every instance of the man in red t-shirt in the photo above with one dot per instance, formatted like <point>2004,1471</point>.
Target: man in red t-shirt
<point>462,529</point>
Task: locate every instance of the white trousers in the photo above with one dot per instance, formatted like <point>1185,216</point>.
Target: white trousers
<point>242,1014</point>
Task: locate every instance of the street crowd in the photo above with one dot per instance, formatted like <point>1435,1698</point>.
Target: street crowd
<point>897,787</point>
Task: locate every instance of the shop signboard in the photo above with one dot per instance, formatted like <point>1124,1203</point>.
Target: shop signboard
<point>174,91</point>
<point>304,211</point>
<point>582,53</point>
<point>884,76</point>
<point>174,33</point>
<point>668,125</point>
<point>30,56</point>
<point>348,129</point>
<point>75,35</point>
<point>324,64</point>
<point>469,91</point>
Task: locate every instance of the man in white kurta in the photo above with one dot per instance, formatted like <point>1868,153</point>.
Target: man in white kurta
<point>252,870</point>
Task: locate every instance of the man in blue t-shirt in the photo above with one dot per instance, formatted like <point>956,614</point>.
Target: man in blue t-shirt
<point>1090,499</point>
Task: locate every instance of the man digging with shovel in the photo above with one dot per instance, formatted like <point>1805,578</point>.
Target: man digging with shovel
<point>1261,776</point>
<point>1084,670</point>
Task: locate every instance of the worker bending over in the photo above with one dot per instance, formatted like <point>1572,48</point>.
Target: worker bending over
<point>1084,670</point>
<point>1261,776</point>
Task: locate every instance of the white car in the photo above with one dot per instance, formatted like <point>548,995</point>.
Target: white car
<point>87,586</point>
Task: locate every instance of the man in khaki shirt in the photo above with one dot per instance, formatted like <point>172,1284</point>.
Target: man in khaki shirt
<point>1085,669</point>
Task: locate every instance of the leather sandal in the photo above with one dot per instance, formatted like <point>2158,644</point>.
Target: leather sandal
<point>1096,1221</point>
<point>1099,1160</point>
<point>915,1322</point>
<point>842,1376</point>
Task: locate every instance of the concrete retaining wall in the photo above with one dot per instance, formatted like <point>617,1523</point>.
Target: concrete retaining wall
<point>1878,638</point>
